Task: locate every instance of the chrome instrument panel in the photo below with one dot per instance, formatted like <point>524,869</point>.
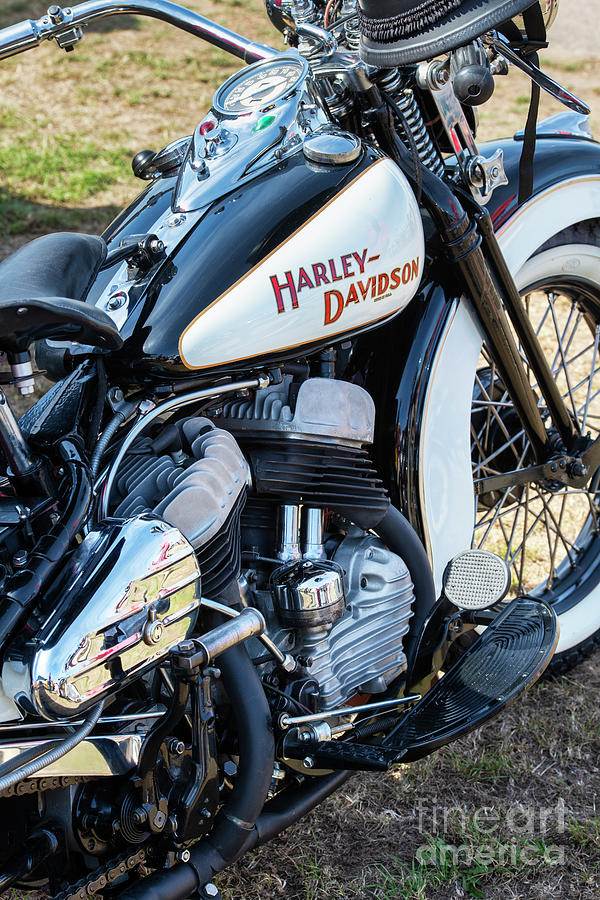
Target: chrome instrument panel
<point>259,117</point>
<point>130,592</point>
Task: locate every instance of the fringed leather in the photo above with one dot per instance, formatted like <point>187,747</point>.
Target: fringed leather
<point>406,25</point>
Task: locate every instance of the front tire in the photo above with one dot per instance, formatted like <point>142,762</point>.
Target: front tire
<point>548,534</point>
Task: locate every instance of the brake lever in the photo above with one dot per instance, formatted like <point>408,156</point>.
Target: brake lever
<point>502,46</point>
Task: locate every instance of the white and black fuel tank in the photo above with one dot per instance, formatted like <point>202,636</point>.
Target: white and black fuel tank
<point>263,262</point>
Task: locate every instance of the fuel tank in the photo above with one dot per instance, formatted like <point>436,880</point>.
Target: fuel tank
<point>301,256</point>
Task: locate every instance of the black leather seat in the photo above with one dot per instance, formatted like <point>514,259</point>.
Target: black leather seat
<point>43,287</point>
<point>397,32</point>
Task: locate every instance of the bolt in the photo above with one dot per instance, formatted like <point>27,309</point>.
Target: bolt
<point>176,747</point>
<point>140,816</point>
<point>308,762</point>
<point>562,463</point>
<point>91,844</point>
<point>145,407</point>
<point>159,819</point>
<point>182,856</point>
<point>117,300</point>
<point>211,890</point>
<point>304,737</point>
<point>441,77</point>
<point>56,14</point>
<point>230,768</point>
<point>19,559</point>
<point>578,469</point>
<point>206,813</point>
<point>554,467</point>
<point>186,647</point>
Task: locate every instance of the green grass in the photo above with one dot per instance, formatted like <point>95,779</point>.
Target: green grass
<point>491,764</point>
<point>466,866</point>
<point>64,168</point>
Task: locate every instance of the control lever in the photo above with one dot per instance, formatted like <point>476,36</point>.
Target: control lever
<point>502,46</point>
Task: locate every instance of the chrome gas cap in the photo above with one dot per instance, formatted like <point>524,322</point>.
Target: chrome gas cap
<point>332,148</point>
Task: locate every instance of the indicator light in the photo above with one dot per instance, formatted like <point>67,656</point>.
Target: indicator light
<point>263,123</point>
<point>206,127</point>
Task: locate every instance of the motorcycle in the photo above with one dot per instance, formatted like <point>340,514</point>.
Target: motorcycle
<point>315,490</point>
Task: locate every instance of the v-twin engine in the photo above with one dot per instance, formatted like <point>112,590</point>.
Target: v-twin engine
<point>277,493</point>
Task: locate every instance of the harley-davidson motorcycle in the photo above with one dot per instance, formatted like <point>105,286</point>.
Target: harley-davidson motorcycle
<point>317,480</point>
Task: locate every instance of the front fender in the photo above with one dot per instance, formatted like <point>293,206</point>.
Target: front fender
<point>566,190</point>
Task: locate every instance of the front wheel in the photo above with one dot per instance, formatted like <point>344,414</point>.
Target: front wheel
<point>548,534</point>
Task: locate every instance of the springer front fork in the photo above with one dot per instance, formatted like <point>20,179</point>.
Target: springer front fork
<point>560,452</point>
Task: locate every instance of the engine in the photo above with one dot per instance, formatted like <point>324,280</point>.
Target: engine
<point>274,497</point>
<point>333,594</point>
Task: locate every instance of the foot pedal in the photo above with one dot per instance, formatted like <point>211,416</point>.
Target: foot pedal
<point>510,655</point>
<point>343,755</point>
<point>476,579</point>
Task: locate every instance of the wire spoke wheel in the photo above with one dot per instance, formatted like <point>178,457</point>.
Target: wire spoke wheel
<point>543,530</point>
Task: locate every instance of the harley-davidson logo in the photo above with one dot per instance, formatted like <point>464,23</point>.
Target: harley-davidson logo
<point>349,265</point>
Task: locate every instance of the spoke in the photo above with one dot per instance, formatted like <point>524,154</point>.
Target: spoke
<point>582,382</point>
<point>523,511</point>
<point>593,511</point>
<point>494,403</point>
<point>499,451</point>
<point>522,561</point>
<point>492,411</point>
<point>561,352</point>
<point>512,533</point>
<point>589,390</point>
<point>567,544</point>
<point>575,327</point>
<point>549,539</point>
<point>544,317</point>
<point>495,516</point>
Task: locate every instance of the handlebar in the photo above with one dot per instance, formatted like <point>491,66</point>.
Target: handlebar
<point>65,25</point>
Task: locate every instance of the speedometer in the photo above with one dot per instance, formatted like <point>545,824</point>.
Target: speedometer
<point>260,86</point>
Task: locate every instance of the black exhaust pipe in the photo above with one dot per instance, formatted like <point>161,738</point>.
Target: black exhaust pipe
<point>235,822</point>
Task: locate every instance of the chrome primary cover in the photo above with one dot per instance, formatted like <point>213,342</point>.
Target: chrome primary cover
<point>130,593</point>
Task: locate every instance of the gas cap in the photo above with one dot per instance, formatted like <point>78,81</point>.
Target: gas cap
<point>332,148</point>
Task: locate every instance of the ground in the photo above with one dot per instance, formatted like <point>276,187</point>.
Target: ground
<point>508,812</point>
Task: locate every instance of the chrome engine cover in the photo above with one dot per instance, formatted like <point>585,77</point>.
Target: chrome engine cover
<point>130,592</point>
<point>362,652</point>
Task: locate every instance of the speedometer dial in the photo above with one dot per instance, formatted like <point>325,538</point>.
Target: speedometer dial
<point>259,86</point>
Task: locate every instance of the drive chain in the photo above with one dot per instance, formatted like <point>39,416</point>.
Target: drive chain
<point>104,876</point>
<point>35,785</point>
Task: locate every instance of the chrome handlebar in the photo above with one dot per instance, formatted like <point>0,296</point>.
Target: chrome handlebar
<point>64,25</point>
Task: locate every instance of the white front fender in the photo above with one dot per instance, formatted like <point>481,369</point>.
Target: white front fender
<point>445,476</point>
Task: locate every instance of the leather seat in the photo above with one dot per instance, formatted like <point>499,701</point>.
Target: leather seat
<point>398,32</point>
<point>43,287</point>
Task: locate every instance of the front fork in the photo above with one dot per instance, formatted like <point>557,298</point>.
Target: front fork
<point>560,452</point>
